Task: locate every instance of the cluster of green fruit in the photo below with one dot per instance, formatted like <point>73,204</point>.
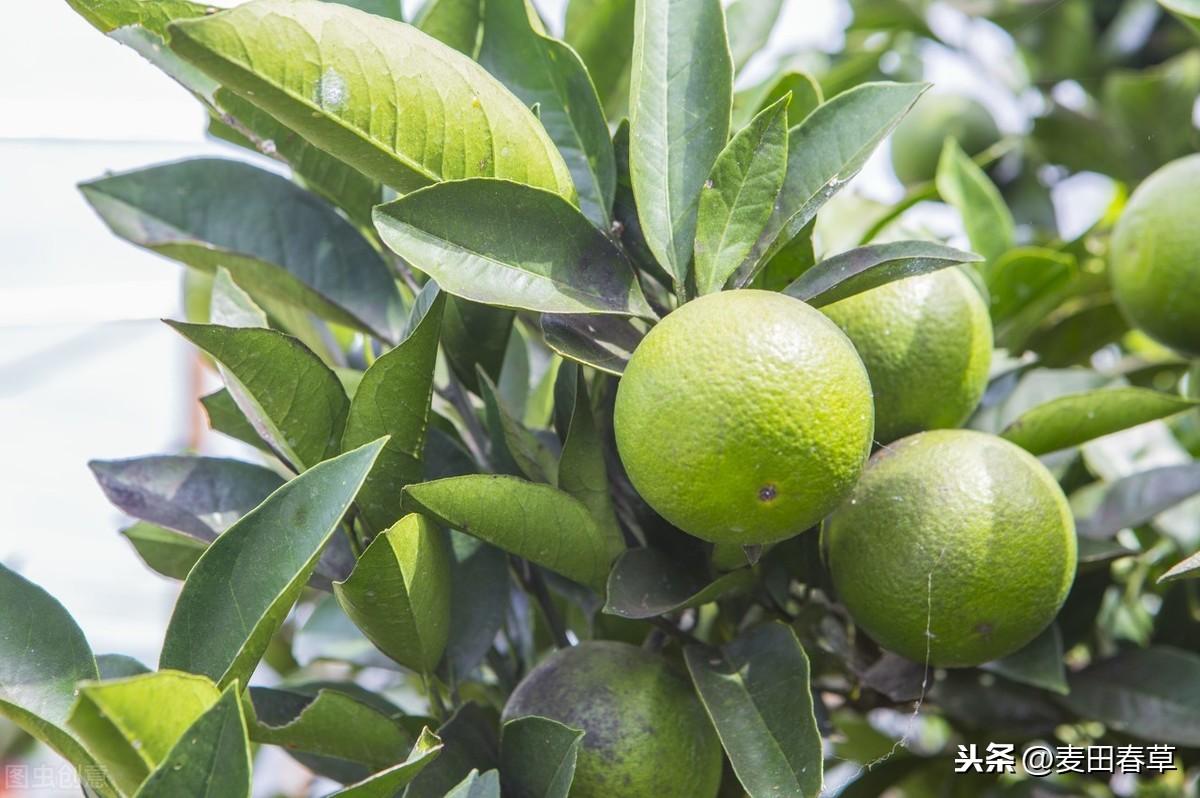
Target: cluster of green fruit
<point>948,546</point>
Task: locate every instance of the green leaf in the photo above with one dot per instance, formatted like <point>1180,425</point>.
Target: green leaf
<point>804,88</point>
<point>1038,664</point>
<point>240,591</point>
<point>200,496</point>
<point>739,196</point>
<point>152,15</point>
<point>1186,10</point>
<point>328,635</point>
<point>211,759</point>
<point>646,583</point>
<point>453,22</point>
<point>130,725</point>
<point>543,71</point>
<point>479,592</point>
<point>963,184</point>
<point>291,398</point>
<point>324,70</point>
<point>750,23</point>
<point>276,239</point>
<point>1078,418</point>
<point>388,783</point>
<point>119,666</point>
<point>1152,694</point>
<point>1136,499</point>
<point>1188,568</point>
<point>515,450</point>
<point>471,743</point>
<point>678,119</point>
<point>43,655</point>
<point>537,757</point>
<point>475,335</point>
<point>165,551</point>
<point>601,31</point>
<point>477,785</point>
<point>503,243</point>
<point>226,417</point>
<point>756,691</point>
<point>1026,285</point>
<point>862,269</point>
<point>399,593</point>
<point>327,722</point>
<point>581,469</point>
<point>602,342</point>
<point>825,152</point>
<point>383,8</point>
<point>393,399</point>
<point>537,522</point>
<point>230,306</point>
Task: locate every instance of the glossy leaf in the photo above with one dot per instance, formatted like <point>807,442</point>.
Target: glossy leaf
<point>1072,420</point>
<point>1026,284</point>
<point>537,522</point>
<point>963,184</point>
<point>211,759</point>
<point>646,583</point>
<point>1038,664</point>
<point>43,655</point>
<point>327,722</point>
<point>165,551</point>
<point>477,785</point>
<point>453,22</point>
<point>501,243</point>
<point>240,591</point>
<point>1136,499</point>
<point>479,591</point>
<point>291,398</point>
<point>679,119</point>
<point>862,269</point>
<point>750,23</point>
<point>543,71</point>
<point>739,196</point>
<point>306,64</point>
<point>757,693</point>
<point>225,417</point>
<point>399,593</point>
<point>601,31</point>
<point>537,757</point>
<point>130,725</point>
<point>152,15</point>
<point>230,306</point>
<point>602,342</point>
<point>804,88</point>
<point>582,471</point>
<point>825,152</point>
<point>388,783</point>
<point>1188,568</point>
<point>1152,694</point>
<point>275,238</point>
<point>393,399</point>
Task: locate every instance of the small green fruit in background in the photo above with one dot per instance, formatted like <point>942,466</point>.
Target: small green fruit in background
<point>955,544</point>
<point>927,345</point>
<point>1156,256</point>
<point>744,417</point>
<point>917,142</point>
<point>645,731</point>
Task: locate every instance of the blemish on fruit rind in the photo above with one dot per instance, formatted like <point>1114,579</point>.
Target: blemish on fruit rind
<point>767,493</point>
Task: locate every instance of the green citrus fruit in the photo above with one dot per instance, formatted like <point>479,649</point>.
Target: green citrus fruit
<point>1156,256</point>
<point>927,345</point>
<point>645,732</point>
<point>918,140</point>
<point>955,544</point>
<point>744,417</point>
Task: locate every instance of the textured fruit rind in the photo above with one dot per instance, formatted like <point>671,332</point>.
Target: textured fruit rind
<point>918,140</point>
<point>645,731</point>
<point>927,345</point>
<point>955,544</point>
<point>744,417</point>
<point>1156,256</point>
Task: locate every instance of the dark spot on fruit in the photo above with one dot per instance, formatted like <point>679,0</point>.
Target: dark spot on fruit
<point>984,628</point>
<point>767,493</point>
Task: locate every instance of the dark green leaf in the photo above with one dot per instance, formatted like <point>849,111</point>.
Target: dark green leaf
<point>502,243</point>
<point>602,342</point>
<point>393,399</point>
<point>475,335</point>
<point>988,221</point>
<point>757,693</point>
<point>537,757</point>
<point>165,551</point>
<point>739,196</point>
<point>645,583</point>
<point>678,119</point>
<point>388,783</point>
<point>515,450</point>
<point>581,469</point>
<point>750,23</point>
<point>292,399</point>
<point>471,743</point>
<point>384,8</point>
<point>453,22</point>
<point>225,417</point>
<point>1152,694</point>
<point>1072,420</point>
<point>1026,284</point>
<point>537,522</point>
<point>478,597</point>
<point>601,31</point>
<point>1136,499</point>
<point>399,593</point>
<point>119,666</point>
<point>275,238</point>
<point>804,88</point>
<point>547,73</point>
<point>211,759</point>
<point>862,269</point>
<point>304,63</point>
<point>240,591</point>
<point>477,785</point>
<point>1038,664</point>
